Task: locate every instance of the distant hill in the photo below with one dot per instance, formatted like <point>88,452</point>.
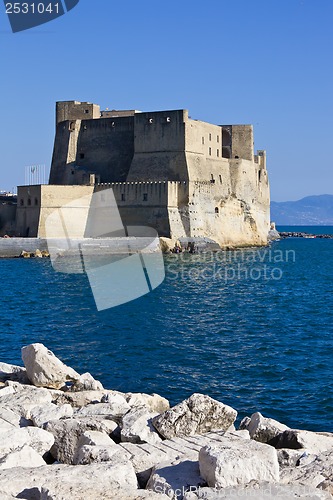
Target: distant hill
<point>309,211</point>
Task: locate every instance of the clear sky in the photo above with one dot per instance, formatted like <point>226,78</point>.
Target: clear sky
<point>265,62</point>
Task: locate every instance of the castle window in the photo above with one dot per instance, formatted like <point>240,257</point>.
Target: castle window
<point>220,176</point>
<point>259,175</point>
<point>216,210</point>
<point>122,197</point>
<point>21,202</point>
<point>71,126</point>
<point>217,152</point>
<point>168,119</point>
<point>145,197</point>
<point>151,120</point>
<point>203,140</point>
<point>86,111</point>
<point>29,201</point>
<point>210,137</point>
<point>218,138</point>
<point>212,180</point>
<point>36,201</point>
<point>210,151</point>
<point>72,172</point>
<point>81,156</point>
<point>237,157</point>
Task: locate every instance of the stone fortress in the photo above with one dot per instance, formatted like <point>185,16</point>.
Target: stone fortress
<point>185,178</point>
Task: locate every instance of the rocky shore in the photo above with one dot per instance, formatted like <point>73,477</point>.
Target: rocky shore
<point>64,437</point>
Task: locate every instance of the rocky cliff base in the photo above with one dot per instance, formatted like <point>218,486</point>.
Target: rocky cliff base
<point>63,436</point>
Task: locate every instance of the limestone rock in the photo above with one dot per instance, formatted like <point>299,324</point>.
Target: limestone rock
<point>86,382</point>
<point>91,494</point>
<point>313,442</point>
<point>14,439</point>
<point>24,457</point>
<point>174,480</point>
<point>115,409</point>
<point>258,491</point>
<point>153,402</point>
<point>25,399</point>
<point>13,372</point>
<point>136,427</point>
<point>67,434</point>
<point>235,462</point>
<point>88,454</point>
<point>318,473</point>
<point>66,482</point>
<point>10,419</point>
<point>44,369</point>
<point>196,415</point>
<point>262,429</point>
<point>42,414</point>
<point>290,458</point>
<point>76,399</point>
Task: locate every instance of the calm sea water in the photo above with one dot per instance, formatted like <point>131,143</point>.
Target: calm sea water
<point>250,328</point>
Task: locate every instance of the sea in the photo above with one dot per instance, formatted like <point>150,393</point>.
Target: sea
<point>251,328</point>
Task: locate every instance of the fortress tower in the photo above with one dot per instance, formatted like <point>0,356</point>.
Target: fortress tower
<point>186,178</point>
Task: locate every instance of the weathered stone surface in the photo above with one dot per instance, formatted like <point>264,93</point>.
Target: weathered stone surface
<point>88,454</point>
<point>67,482</point>
<point>114,409</point>
<point>153,402</point>
<point>23,457</point>
<point>13,372</point>
<point>67,434</point>
<point>25,399</point>
<point>290,458</point>
<point>5,496</point>
<point>174,480</point>
<point>76,399</point>
<point>7,390</point>
<point>44,369</point>
<point>313,442</point>
<point>318,473</point>
<point>235,462</point>
<point>196,415</point>
<point>40,415</point>
<point>14,439</point>
<point>86,382</point>
<point>10,419</point>
<point>136,427</point>
<point>262,429</point>
<point>258,491</point>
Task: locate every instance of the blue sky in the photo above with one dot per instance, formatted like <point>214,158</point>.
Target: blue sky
<point>264,62</point>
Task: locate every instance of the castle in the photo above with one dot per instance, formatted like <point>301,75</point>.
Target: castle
<point>185,178</point>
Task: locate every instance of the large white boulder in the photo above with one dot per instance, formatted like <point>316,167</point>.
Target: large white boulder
<point>153,402</point>
<point>262,429</point>
<point>67,434</point>
<point>136,427</point>
<point>86,382</point>
<point>14,439</point>
<point>26,398</point>
<point>196,415</point>
<point>116,408</point>
<point>13,372</point>
<point>174,479</point>
<point>10,419</point>
<point>312,442</point>
<point>42,414</point>
<point>65,482</point>
<point>44,369</point>
<point>235,462</point>
<point>23,457</point>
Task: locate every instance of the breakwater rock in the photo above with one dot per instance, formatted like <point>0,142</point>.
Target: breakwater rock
<point>301,234</point>
<point>64,436</point>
